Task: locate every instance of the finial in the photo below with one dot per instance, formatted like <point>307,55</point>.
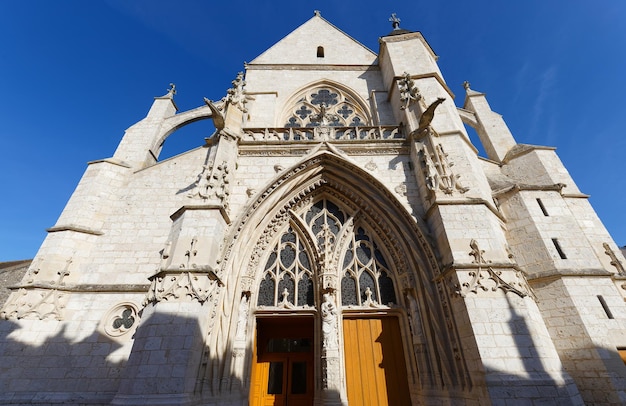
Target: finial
<point>395,21</point>
<point>317,13</point>
<point>171,91</point>
<point>466,85</point>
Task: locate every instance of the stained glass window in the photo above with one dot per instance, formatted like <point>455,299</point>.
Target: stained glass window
<point>288,274</point>
<point>365,271</point>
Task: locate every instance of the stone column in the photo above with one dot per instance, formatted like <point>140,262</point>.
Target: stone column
<point>332,373</point>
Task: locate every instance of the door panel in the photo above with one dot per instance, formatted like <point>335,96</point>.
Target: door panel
<point>375,365</point>
<point>282,370</point>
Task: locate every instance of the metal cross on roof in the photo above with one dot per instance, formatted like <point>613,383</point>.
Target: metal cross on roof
<point>395,21</point>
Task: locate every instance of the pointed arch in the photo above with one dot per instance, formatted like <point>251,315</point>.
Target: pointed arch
<point>344,106</point>
<point>404,239</point>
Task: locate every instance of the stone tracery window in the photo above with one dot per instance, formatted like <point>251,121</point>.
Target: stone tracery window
<point>289,278</point>
<point>366,279</point>
<point>288,275</point>
<point>340,110</point>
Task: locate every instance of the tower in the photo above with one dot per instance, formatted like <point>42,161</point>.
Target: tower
<point>336,240</point>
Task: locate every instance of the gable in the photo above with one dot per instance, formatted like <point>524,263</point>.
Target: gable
<point>300,47</point>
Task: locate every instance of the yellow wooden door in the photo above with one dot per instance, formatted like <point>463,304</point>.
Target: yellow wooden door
<point>282,365</point>
<point>375,366</point>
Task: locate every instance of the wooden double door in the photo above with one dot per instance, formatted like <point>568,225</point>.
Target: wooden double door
<point>375,368</point>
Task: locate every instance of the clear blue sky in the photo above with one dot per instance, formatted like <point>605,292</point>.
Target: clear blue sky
<point>76,74</point>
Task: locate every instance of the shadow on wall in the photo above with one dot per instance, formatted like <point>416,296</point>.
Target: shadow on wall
<point>536,383</point>
<point>171,359</point>
<point>58,370</point>
<point>167,361</point>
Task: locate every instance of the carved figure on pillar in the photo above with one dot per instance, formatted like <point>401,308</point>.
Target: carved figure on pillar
<point>414,320</point>
<point>325,120</point>
<point>329,322</point>
<point>242,320</point>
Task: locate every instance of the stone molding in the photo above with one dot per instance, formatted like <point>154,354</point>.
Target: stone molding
<point>255,66</point>
<point>75,228</point>
<point>187,207</point>
<point>111,161</point>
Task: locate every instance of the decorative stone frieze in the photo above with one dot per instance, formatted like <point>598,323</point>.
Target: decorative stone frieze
<point>489,277</point>
<point>356,133</point>
<point>38,299</point>
<point>184,285</point>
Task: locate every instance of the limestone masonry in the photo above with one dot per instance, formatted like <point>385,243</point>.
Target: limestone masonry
<point>337,241</point>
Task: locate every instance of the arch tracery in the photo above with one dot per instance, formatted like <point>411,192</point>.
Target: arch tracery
<point>325,104</point>
<point>289,275</point>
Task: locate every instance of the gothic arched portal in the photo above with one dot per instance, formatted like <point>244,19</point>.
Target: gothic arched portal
<point>327,248</point>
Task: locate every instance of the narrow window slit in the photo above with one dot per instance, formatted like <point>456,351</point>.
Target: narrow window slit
<point>605,307</point>
<point>543,208</point>
<point>320,52</point>
<point>558,248</point>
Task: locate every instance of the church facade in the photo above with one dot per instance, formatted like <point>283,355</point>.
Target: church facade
<point>337,241</point>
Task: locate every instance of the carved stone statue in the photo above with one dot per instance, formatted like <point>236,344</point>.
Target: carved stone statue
<point>329,322</point>
<point>242,320</point>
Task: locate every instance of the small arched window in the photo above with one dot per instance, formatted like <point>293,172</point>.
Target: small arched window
<point>320,52</point>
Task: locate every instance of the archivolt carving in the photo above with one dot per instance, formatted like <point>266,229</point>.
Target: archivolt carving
<point>350,199</point>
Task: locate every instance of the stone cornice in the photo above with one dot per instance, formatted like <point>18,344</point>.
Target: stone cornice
<point>77,229</point>
<point>311,67</point>
<point>85,288</point>
<point>112,161</point>
<point>464,202</point>
<point>450,268</point>
<point>435,75</point>
<point>187,207</point>
<point>523,149</point>
<point>564,273</point>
